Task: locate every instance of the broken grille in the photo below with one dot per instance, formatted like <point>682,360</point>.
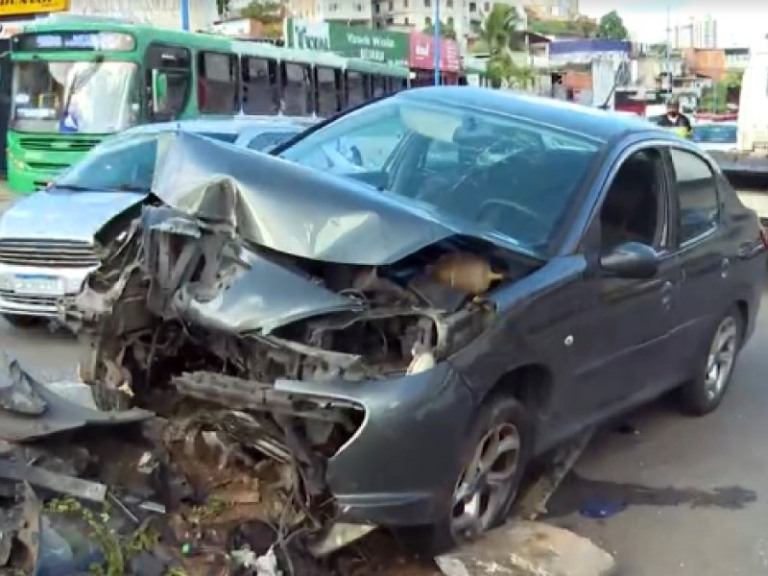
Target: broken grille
<point>53,253</point>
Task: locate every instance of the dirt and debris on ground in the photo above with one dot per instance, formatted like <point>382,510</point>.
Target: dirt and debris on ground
<point>86,491</point>
<point>131,493</point>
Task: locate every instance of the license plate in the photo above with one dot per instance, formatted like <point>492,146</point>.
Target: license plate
<point>38,285</point>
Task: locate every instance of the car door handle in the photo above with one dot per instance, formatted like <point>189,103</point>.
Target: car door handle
<point>666,294</point>
<point>725,264</point>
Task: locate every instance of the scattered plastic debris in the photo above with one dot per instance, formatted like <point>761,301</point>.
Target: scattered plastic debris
<point>597,508</point>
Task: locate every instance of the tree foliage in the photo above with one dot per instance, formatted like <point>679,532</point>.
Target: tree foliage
<point>222,6</point>
<point>446,30</point>
<point>733,78</point>
<point>266,12</point>
<point>498,30</point>
<point>499,37</point>
<point>581,27</point>
<point>611,26</point>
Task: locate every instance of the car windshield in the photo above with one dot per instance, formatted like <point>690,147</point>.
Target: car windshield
<point>500,173</point>
<point>78,97</point>
<point>123,163</point>
<point>715,134</point>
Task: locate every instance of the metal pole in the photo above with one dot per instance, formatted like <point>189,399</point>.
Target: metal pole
<point>668,74</point>
<point>437,42</point>
<point>184,14</point>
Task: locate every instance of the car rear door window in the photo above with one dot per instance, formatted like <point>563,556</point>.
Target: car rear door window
<point>696,190</point>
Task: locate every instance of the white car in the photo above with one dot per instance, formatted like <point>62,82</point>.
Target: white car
<point>48,241</point>
<point>716,136</point>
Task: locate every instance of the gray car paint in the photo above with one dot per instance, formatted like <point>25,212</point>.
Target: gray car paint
<point>299,211</point>
<point>263,297</point>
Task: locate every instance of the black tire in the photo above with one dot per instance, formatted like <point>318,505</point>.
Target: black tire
<point>497,411</point>
<point>704,393</point>
<point>19,321</point>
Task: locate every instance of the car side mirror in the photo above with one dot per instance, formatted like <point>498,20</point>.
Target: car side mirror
<point>631,260</point>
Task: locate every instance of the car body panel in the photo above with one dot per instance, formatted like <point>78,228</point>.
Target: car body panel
<point>49,214</point>
<point>572,343</point>
<point>275,204</point>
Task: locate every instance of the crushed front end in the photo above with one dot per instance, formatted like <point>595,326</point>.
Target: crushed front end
<point>334,364</point>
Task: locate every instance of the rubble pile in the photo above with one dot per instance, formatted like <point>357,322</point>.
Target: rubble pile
<point>84,491</point>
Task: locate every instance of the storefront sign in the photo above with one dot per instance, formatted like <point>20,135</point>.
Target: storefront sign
<point>22,7</point>
<point>349,41</point>
<point>422,54</point>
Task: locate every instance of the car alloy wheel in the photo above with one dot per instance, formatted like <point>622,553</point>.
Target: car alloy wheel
<point>721,358</point>
<point>487,483</point>
<point>704,392</point>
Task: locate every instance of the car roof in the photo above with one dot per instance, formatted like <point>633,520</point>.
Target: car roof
<point>225,125</point>
<point>584,120</point>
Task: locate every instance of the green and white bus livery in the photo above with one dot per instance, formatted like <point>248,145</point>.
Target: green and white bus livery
<point>76,82</point>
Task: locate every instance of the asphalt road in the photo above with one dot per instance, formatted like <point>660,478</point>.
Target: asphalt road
<point>695,490</point>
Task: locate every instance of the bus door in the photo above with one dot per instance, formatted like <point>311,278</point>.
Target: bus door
<point>167,81</point>
<point>6,71</point>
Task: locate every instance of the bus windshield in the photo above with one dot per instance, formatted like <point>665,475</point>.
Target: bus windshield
<point>74,96</point>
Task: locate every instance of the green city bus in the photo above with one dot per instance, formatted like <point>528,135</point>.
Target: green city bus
<point>76,81</point>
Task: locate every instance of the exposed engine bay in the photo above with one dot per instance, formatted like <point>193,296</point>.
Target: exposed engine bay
<point>188,314</point>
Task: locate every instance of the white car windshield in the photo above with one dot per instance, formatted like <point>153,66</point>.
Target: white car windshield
<point>500,173</point>
<point>124,163</point>
<point>75,97</point>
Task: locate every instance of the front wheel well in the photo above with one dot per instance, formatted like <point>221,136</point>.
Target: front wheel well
<point>743,308</point>
<point>530,384</point>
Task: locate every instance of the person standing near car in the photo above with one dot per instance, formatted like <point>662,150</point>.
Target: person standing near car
<point>674,119</point>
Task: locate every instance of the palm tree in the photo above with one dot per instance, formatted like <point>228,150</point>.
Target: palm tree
<point>498,36</point>
<point>266,12</point>
<point>498,30</point>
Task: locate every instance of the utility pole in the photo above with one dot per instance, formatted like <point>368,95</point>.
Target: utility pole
<point>437,42</point>
<point>184,14</point>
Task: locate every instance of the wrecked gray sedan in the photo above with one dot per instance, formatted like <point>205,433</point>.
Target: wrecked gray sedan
<point>416,298</point>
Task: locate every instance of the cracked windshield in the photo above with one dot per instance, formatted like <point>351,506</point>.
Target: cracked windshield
<point>75,97</point>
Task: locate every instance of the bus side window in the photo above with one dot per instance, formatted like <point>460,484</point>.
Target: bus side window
<point>379,85</point>
<point>328,89</point>
<point>355,88</point>
<point>261,82</point>
<point>217,85</point>
<point>297,90</point>
<point>167,82</point>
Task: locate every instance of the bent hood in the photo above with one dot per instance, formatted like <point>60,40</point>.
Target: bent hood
<point>64,215</point>
<point>293,209</point>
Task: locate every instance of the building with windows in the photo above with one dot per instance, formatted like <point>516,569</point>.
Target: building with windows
<point>696,33</point>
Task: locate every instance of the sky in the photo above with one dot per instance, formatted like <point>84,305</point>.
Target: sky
<point>739,22</point>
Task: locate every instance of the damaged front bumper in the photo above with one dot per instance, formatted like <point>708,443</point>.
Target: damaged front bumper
<point>400,465</point>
